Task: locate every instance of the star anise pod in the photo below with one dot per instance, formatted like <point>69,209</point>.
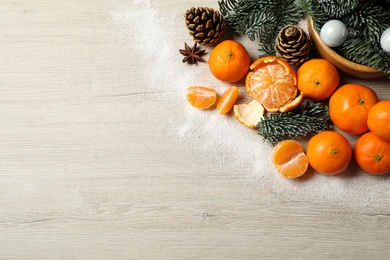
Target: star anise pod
<point>192,55</point>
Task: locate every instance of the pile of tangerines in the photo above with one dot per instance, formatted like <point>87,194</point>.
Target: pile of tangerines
<point>275,86</point>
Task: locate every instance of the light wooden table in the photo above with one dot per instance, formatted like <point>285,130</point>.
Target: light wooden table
<point>102,157</point>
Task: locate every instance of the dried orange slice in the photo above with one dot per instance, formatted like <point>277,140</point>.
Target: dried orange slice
<point>201,97</point>
<point>249,114</point>
<point>272,82</point>
<point>227,100</point>
<point>290,159</point>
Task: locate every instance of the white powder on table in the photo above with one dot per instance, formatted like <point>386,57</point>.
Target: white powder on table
<point>149,33</point>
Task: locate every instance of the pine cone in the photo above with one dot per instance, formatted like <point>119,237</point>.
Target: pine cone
<point>293,45</point>
<point>205,25</point>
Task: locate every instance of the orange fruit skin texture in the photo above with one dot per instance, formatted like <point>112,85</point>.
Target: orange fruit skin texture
<point>372,154</point>
<point>317,79</point>
<point>349,106</point>
<point>249,114</point>
<point>329,152</point>
<point>289,159</point>
<point>272,82</point>
<point>227,100</point>
<point>201,97</point>
<point>378,120</point>
<point>229,61</point>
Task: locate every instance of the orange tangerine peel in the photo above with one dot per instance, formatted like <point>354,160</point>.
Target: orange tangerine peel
<point>293,104</point>
<point>249,114</point>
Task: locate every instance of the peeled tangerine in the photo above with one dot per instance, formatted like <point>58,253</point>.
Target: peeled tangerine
<point>272,82</point>
<point>249,114</point>
<point>290,159</point>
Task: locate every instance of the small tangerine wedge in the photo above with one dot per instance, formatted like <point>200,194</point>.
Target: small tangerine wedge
<point>272,82</point>
<point>349,106</point>
<point>249,114</point>
<point>201,97</point>
<point>290,159</point>
<point>378,120</point>
<point>317,79</point>
<point>227,100</point>
<point>372,154</point>
<point>329,152</point>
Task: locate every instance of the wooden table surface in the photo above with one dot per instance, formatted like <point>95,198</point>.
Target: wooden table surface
<point>103,158</point>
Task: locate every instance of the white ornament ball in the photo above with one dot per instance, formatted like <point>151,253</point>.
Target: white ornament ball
<point>334,33</point>
<point>385,40</point>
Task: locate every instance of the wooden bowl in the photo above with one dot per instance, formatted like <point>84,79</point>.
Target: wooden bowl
<point>344,65</point>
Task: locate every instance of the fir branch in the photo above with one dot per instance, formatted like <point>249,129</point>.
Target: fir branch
<point>313,118</point>
<point>267,35</point>
<point>322,11</point>
<point>339,8</point>
<point>314,11</point>
<point>370,21</point>
<point>254,18</point>
<point>242,16</point>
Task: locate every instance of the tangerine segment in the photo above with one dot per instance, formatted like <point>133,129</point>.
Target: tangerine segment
<point>227,100</point>
<point>249,114</point>
<point>372,154</point>
<point>290,159</point>
<point>272,82</point>
<point>201,97</point>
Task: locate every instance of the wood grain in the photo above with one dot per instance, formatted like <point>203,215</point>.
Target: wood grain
<point>92,166</point>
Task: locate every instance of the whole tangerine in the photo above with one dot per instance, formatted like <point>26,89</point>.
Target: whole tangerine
<point>372,154</point>
<point>317,79</point>
<point>378,120</point>
<point>329,152</point>
<point>349,106</point>
<point>229,61</point>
